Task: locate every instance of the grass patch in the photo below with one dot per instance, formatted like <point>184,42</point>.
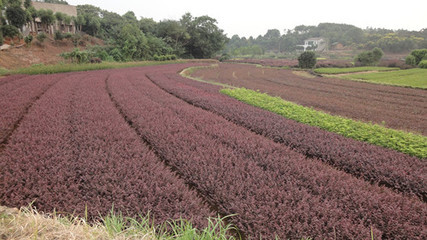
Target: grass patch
<point>416,78</point>
<point>71,67</point>
<point>352,70</point>
<point>410,143</point>
<point>3,71</point>
<point>27,223</point>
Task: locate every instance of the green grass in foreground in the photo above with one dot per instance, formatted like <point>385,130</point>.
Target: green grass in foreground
<point>352,70</point>
<point>401,141</point>
<point>69,67</point>
<point>416,78</point>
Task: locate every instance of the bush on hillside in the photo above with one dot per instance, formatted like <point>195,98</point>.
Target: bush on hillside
<point>164,57</point>
<point>58,36</point>
<point>410,60</point>
<point>423,64</point>
<point>9,31</point>
<point>307,59</point>
<point>77,56</point>
<point>28,39</point>
<point>417,56</point>
<point>369,58</point>
<point>41,37</point>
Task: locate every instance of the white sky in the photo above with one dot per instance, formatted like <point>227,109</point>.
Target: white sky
<point>253,18</point>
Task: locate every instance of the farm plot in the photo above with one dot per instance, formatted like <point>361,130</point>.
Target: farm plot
<point>395,107</point>
<point>375,164</point>
<point>17,93</point>
<point>73,152</point>
<point>241,172</point>
<point>106,136</point>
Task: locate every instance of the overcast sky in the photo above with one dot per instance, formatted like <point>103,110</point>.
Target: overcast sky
<point>253,18</point>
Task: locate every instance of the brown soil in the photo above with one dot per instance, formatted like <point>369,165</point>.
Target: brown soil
<point>396,107</point>
<point>19,55</point>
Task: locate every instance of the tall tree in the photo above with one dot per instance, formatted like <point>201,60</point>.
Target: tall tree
<point>16,15</point>
<point>47,18</point>
<point>206,38</point>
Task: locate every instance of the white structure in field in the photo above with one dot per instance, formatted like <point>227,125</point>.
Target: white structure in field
<point>318,44</point>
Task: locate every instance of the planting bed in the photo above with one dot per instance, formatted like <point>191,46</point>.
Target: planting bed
<point>396,107</point>
<point>146,139</point>
<point>73,150</point>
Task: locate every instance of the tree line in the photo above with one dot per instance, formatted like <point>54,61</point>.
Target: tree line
<point>347,35</point>
<point>127,37</point>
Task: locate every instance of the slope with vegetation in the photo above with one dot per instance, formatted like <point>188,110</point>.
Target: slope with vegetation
<point>127,38</point>
<point>344,35</point>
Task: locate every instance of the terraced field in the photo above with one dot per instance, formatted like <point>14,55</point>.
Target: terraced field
<point>146,139</point>
<point>394,107</point>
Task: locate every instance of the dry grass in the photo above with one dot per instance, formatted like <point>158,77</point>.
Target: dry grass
<point>27,223</point>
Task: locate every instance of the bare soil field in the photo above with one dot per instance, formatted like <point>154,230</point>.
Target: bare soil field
<point>396,107</point>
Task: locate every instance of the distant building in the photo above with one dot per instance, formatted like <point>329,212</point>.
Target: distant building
<point>317,44</point>
<point>36,25</point>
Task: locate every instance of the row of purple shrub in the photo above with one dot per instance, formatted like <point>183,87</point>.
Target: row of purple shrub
<point>74,152</point>
<point>372,163</point>
<point>273,189</point>
<point>17,93</point>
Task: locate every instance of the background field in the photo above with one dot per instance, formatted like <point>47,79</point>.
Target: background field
<point>394,107</point>
<point>416,78</point>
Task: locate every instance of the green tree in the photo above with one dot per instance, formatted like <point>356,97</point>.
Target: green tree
<point>80,21</point>
<point>27,4</point>
<point>133,43</point>
<point>419,55</point>
<point>16,15</point>
<point>307,59</point>
<point>47,18</point>
<point>369,58</point>
<point>272,40</point>
<point>130,17</point>
<point>1,22</point>
<point>206,38</point>
<point>148,25</point>
<point>174,34</point>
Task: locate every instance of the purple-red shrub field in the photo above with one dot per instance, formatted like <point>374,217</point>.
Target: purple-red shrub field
<point>394,107</point>
<point>16,95</point>
<point>374,164</point>
<point>74,150</point>
<point>114,137</point>
<point>215,156</point>
<point>293,63</point>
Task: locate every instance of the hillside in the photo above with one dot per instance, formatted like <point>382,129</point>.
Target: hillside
<point>48,52</point>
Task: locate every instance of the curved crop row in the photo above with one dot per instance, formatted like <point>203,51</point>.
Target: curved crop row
<point>412,144</point>
<point>15,98</point>
<point>74,152</point>
<point>374,164</point>
<point>8,79</point>
<point>394,107</point>
<point>272,189</point>
<point>352,70</point>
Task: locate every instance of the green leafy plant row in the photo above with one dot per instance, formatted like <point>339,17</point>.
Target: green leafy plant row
<point>73,67</point>
<point>401,141</point>
<point>415,78</point>
<point>352,70</point>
